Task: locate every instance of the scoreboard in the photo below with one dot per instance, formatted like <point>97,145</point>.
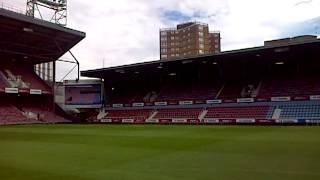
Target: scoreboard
<point>83,94</point>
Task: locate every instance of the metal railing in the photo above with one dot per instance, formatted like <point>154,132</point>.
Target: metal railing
<point>19,11</point>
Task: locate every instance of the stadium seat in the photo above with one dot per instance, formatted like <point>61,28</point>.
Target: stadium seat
<point>234,90</point>
<point>137,115</point>
<point>45,115</point>
<point>289,87</point>
<point>30,78</point>
<point>12,115</point>
<point>178,113</point>
<point>23,78</point>
<point>181,93</point>
<point>255,112</point>
<point>3,83</point>
<point>299,111</point>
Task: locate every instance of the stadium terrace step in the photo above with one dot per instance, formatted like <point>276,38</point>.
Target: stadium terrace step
<point>294,111</point>
<point>258,112</point>
<point>187,93</point>
<point>22,79</point>
<point>12,115</point>
<point>128,115</point>
<point>290,87</point>
<point>178,113</point>
<point>45,116</point>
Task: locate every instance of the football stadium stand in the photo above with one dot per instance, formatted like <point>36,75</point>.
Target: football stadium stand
<point>274,84</point>
<point>27,42</point>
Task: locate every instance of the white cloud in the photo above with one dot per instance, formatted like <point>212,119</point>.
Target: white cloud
<point>126,31</point>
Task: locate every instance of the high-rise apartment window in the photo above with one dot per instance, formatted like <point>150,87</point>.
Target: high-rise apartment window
<point>200,28</point>
<point>201,34</point>
<point>164,39</point>
<point>163,33</point>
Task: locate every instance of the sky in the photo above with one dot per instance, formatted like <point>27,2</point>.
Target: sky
<point>127,31</point>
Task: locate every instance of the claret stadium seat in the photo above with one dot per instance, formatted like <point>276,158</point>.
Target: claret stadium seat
<point>31,79</point>
<point>178,113</point>
<point>234,90</point>
<point>231,91</point>
<point>44,115</point>
<point>14,80</point>
<point>290,87</point>
<point>255,112</point>
<point>2,82</point>
<point>129,114</point>
<point>11,115</point>
<point>22,78</point>
<point>182,93</point>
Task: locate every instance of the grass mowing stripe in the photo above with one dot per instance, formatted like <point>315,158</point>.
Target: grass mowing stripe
<point>159,152</point>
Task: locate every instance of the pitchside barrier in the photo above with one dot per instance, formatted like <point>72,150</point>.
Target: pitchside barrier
<point>212,121</point>
<point>24,91</point>
<point>214,101</point>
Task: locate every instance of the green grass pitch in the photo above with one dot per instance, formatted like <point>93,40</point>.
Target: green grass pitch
<point>108,152</point>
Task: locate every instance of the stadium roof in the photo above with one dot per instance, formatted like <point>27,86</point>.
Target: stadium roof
<point>270,54</point>
<point>33,40</point>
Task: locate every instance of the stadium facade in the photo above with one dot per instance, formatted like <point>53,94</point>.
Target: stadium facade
<point>188,39</point>
<point>275,83</point>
